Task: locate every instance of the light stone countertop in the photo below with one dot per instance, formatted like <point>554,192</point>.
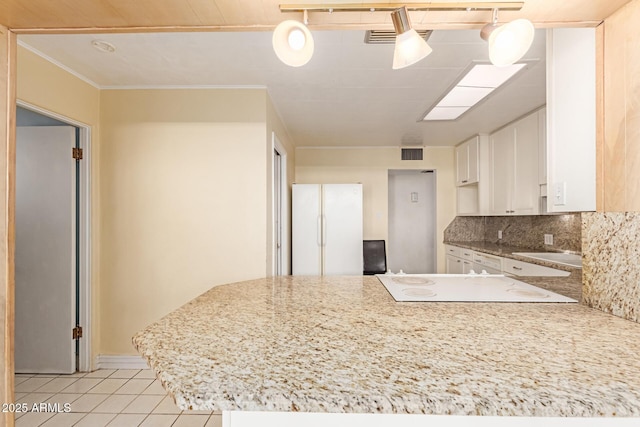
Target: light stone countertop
<point>342,344</point>
<point>569,286</point>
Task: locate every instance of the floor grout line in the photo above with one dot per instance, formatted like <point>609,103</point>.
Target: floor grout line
<point>126,376</point>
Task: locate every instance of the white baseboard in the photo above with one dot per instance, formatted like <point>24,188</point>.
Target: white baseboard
<point>120,362</point>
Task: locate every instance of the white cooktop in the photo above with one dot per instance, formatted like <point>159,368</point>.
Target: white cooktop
<point>465,288</point>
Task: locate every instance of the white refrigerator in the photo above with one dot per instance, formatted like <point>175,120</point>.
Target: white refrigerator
<point>327,229</point>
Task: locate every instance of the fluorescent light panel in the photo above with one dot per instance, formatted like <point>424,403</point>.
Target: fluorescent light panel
<point>477,84</point>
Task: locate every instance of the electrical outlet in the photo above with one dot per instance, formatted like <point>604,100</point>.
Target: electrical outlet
<point>548,239</point>
<point>499,234</point>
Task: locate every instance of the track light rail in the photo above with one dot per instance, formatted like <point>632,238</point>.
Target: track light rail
<point>388,7</point>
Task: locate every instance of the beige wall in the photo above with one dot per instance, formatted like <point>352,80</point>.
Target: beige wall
<point>183,200</point>
<point>370,166</point>
<point>44,85</point>
<point>182,183</point>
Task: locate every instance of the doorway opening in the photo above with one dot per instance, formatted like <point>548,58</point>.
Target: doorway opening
<point>280,209</point>
<point>53,293</point>
<point>412,221</point>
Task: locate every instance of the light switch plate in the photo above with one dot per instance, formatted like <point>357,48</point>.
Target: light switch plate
<point>499,234</point>
<point>560,193</point>
<point>548,239</point>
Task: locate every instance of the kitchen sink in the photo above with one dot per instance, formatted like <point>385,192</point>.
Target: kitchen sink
<point>572,260</point>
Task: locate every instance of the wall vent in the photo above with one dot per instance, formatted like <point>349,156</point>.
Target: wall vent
<point>411,153</point>
<point>389,36</point>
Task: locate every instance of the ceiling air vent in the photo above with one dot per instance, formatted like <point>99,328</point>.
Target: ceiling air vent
<point>412,154</point>
<point>389,36</point>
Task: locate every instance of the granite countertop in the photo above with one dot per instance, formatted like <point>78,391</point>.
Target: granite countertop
<point>570,286</point>
<point>507,251</point>
<point>342,344</point>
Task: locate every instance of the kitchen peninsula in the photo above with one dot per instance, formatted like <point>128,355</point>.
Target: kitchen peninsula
<point>342,344</point>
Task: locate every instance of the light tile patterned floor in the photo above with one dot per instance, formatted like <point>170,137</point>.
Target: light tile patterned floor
<point>123,397</point>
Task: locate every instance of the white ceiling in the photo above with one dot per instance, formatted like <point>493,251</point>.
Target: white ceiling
<point>347,95</point>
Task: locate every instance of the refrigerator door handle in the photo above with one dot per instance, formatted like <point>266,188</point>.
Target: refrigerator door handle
<point>319,231</point>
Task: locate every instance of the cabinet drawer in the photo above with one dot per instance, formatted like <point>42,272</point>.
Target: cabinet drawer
<point>489,261</point>
<point>519,268</point>
<point>452,250</point>
<point>466,254</point>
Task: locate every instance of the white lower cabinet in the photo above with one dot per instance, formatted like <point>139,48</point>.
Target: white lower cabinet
<point>454,265</point>
<point>520,268</point>
<point>462,261</point>
<point>458,260</point>
<point>485,262</point>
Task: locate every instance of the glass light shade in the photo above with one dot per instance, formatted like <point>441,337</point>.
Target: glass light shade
<point>509,42</point>
<point>293,43</point>
<point>410,48</point>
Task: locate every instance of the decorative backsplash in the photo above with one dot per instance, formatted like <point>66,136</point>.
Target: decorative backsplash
<point>523,231</point>
<point>611,263</point>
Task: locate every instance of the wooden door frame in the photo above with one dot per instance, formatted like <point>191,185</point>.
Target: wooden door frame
<point>8,72</point>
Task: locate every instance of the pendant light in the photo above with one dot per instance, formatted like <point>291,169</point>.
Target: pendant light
<point>410,47</point>
<point>509,42</point>
<point>293,43</point>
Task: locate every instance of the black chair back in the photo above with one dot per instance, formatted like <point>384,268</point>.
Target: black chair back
<point>375,257</point>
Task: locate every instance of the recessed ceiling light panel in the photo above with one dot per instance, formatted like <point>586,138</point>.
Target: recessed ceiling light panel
<point>474,86</point>
<point>445,113</point>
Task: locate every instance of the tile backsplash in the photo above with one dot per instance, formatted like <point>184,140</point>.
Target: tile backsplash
<point>523,231</point>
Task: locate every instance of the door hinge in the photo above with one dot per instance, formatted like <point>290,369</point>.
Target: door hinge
<point>77,153</point>
<point>77,332</point>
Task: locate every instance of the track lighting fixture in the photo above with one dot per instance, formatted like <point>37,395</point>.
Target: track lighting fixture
<point>410,47</point>
<point>293,43</point>
<point>508,42</point>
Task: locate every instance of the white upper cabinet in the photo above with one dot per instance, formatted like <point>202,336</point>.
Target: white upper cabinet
<point>571,122</point>
<point>467,162</point>
<point>513,156</point>
<point>472,176</point>
<point>525,199</point>
<point>502,162</point>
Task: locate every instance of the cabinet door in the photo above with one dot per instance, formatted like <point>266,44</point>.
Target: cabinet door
<point>501,160</point>
<point>462,164</point>
<point>453,265</point>
<point>472,161</point>
<point>467,266</point>
<point>526,188</point>
<point>542,146</point>
<point>467,162</point>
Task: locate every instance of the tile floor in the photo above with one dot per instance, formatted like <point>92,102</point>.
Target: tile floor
<point>123,397</point>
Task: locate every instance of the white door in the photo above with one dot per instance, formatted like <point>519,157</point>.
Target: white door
<point>342,229</point>
<point>306,240</point>
<point>45,250</point>
<point>412,221</point>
